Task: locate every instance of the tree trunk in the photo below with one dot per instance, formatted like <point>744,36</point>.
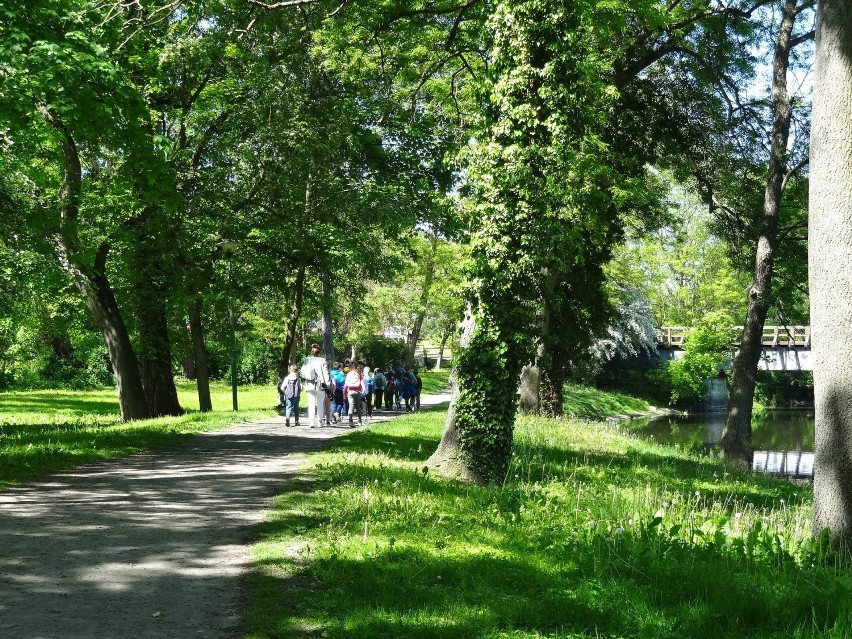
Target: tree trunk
<point>478,433</point>
<point>292,323</point>
<point>157,376</point>
<point>92,283</point>
<point>199,350</point>
<point>736,437</point>
<point>428,279</point>
<point>550,362</point>
<point>327,323</point>
<point>830,276</point>
<point>101,303</point>
<point>448,459</point>
<point>445,336</point>
<point>152,312</point>
<point>528,389</point>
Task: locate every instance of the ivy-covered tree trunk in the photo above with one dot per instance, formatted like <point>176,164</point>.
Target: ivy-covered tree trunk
<point>830,276</point>
<point>478,434</point>
<point>736,437</point>
<point>199,351</point>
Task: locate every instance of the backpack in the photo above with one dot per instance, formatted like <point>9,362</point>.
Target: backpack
<point>292,388</point>
<point>308,372</point>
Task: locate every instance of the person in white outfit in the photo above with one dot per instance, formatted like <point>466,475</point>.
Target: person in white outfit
<point>315,373</point>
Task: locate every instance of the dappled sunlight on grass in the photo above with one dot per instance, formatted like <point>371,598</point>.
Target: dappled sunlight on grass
<point>594,534</point>
<point>592,403</point>
<point>44,431</point>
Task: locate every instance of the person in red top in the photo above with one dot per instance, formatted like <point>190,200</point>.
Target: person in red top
<point>353,390</point>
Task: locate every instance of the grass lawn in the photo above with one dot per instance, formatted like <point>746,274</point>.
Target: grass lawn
<point>435,381</point>
<point>591,403</point>
<point>594,534</point>
<point>47,430</point>
<point>44,431</point>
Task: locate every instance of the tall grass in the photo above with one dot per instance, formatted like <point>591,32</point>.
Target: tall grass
<point>593,534</point>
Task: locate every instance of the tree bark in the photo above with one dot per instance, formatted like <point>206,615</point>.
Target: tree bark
<point>92,282</point>
<point>445,336</point>
<point>292,323</point>
<point>528,389</point>
<point>830,275</point>
<point>448,459</point>
<point>736,436</point>
<point>101,302</point>
<point>199,351</point>
<point>152,313</point>
<point>327,322</point>
<point>428,279</point>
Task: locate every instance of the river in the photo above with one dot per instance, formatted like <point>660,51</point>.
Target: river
<point>783,440</point>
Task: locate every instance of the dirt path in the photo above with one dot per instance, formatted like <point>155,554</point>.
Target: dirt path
<point>152,545</point>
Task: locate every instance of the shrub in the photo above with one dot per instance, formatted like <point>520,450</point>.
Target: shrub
<point>706,351</point>
<point>378,350</point>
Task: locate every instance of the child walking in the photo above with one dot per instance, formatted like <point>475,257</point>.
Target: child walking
<point>291,389</point>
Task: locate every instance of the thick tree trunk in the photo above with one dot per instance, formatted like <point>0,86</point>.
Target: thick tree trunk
<point>92,282</point>
<point>736,437</point>
<point>199,351</point>
<point>428,279</point>
<point>154,342</point>
<point>101,303</point>
<point>157,376</point>
<point>478,434</point>
<point>830,275</point>
<point>549,361</point>
<point>448,459</point>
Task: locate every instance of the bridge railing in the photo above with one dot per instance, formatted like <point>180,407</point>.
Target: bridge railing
<point>773,336</point>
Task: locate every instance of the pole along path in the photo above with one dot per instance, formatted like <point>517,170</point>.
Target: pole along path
<point>154,545</point>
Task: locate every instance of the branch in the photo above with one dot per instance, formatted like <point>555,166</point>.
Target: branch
<point>403,14</point>
<point>248,199</point>
<point>805,37</point>
<point>283,4</point>
<point>793,172</point>
<point>72,182</point>
<point>208,134</point>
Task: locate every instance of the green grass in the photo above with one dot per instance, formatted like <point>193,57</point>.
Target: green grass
<point>591,403</point>
<point>44,431</point>
<point>594,534</point>
<point>434,381</point>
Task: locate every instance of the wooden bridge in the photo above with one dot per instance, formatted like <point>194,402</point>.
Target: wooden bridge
<point>785,348</point>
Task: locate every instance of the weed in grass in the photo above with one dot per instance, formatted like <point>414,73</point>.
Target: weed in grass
<point>594,533</point>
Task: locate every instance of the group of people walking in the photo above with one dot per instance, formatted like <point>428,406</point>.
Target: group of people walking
<point>348,389</point>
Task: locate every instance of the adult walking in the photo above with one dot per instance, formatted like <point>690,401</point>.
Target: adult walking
<point>317,380</point>
<point>354,388</point>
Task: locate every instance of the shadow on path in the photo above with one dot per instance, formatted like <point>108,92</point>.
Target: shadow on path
<point>152,545</point>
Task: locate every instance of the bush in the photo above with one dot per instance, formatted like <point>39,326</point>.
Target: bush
<point>706,351</point>
<point>378,350</point>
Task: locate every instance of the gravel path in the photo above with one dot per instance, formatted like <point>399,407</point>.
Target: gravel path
<point>152,545</point>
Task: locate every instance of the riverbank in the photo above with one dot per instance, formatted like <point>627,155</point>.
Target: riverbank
<point>588,402</point>
<point>594,533</point>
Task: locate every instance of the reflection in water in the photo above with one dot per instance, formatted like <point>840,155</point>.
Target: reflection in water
<point>783,439</point>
